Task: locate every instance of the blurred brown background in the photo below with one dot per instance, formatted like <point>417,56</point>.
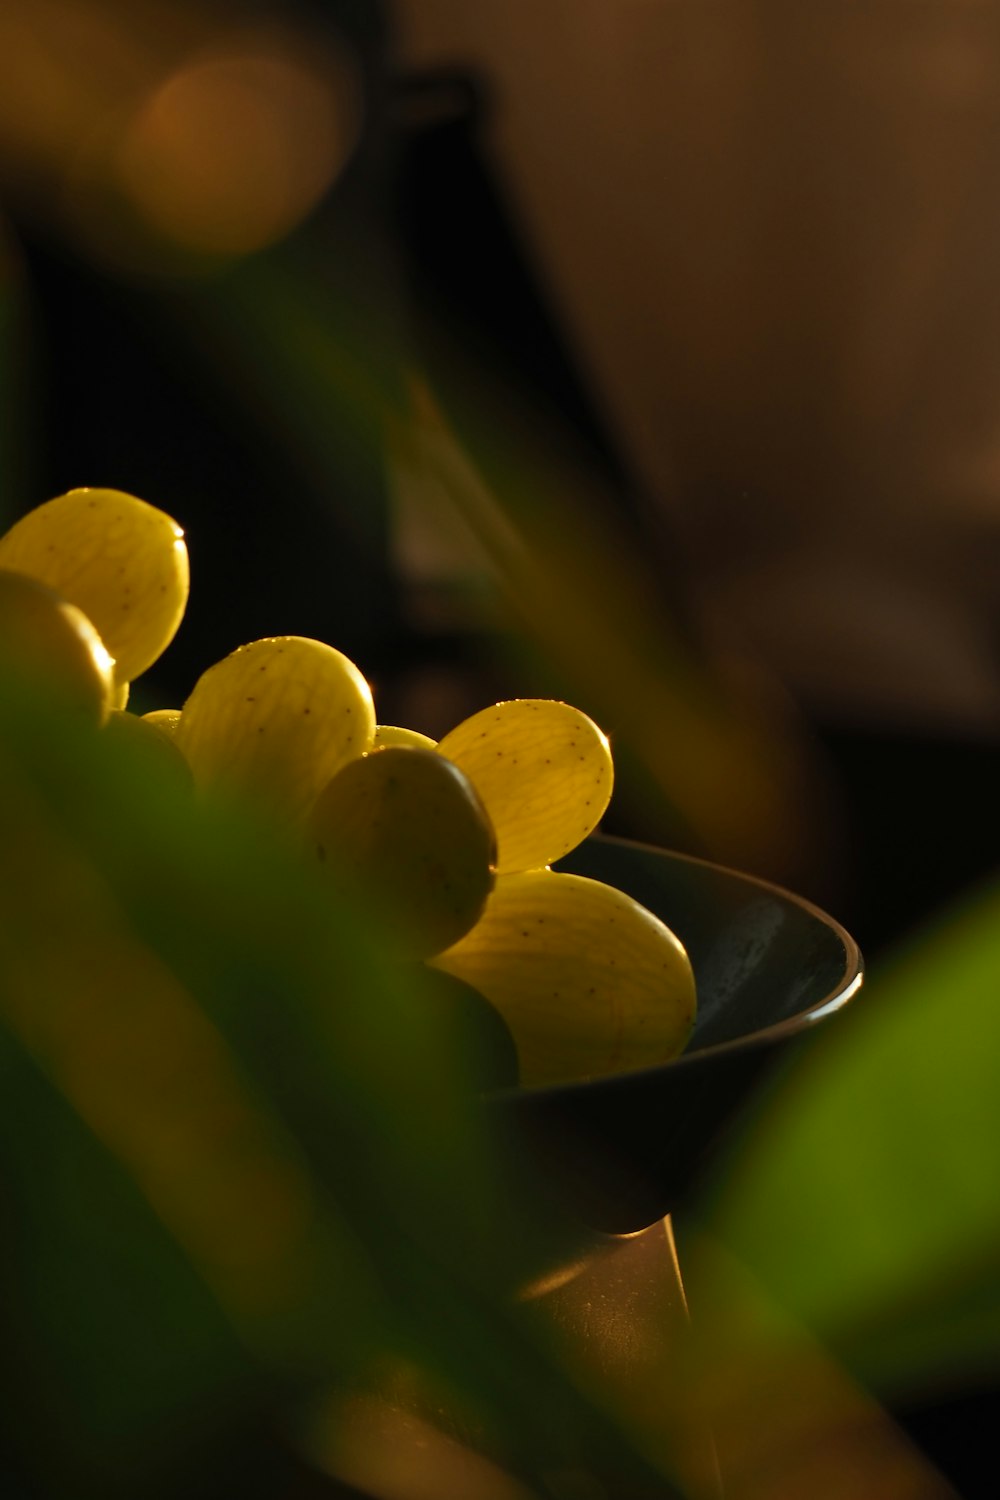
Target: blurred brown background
<point>769,234</point>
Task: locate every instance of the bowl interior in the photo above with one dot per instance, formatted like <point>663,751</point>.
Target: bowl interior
<point>762,957</point>
<point>625,1149</point>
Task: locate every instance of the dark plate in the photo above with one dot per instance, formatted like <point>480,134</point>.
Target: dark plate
<point>622,1151</point>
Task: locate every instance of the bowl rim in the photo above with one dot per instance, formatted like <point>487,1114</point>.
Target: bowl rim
<point>787,1028</point>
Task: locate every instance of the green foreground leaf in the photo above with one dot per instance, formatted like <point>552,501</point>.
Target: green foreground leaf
<point>243,1165</point>
<point>864,1197</point>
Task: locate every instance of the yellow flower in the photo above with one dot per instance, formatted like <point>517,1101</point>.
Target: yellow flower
<point>588,981</point>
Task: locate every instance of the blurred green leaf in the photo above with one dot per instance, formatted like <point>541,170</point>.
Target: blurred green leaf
<point>218,1083</point>
<point>864,1197</point>
<point>116,1357</point>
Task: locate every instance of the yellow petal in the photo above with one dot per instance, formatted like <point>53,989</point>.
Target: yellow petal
<point>588,981</point>
<point>159,748</point>
<point>166,720</point>
<point>277,719</point>
<point>120,560</point>
<point>544,772</point>
<point>47,640</point>
<point>407,826</point>
<point>394,734</point>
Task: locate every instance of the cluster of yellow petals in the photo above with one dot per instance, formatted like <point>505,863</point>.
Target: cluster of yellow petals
<point>93,586</point>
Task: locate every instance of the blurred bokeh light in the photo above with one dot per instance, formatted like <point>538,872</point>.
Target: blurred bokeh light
<point>232,151</point>
<point>133,126</point>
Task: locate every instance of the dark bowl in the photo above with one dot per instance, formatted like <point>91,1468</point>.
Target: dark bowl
<point>620,1152</point>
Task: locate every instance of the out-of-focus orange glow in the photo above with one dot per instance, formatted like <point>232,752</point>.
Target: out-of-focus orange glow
<point>233,151</point>
<point>155,135</point>
<point>68,70</point>
<point>394,1454</point>
<point>787,1419</point>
